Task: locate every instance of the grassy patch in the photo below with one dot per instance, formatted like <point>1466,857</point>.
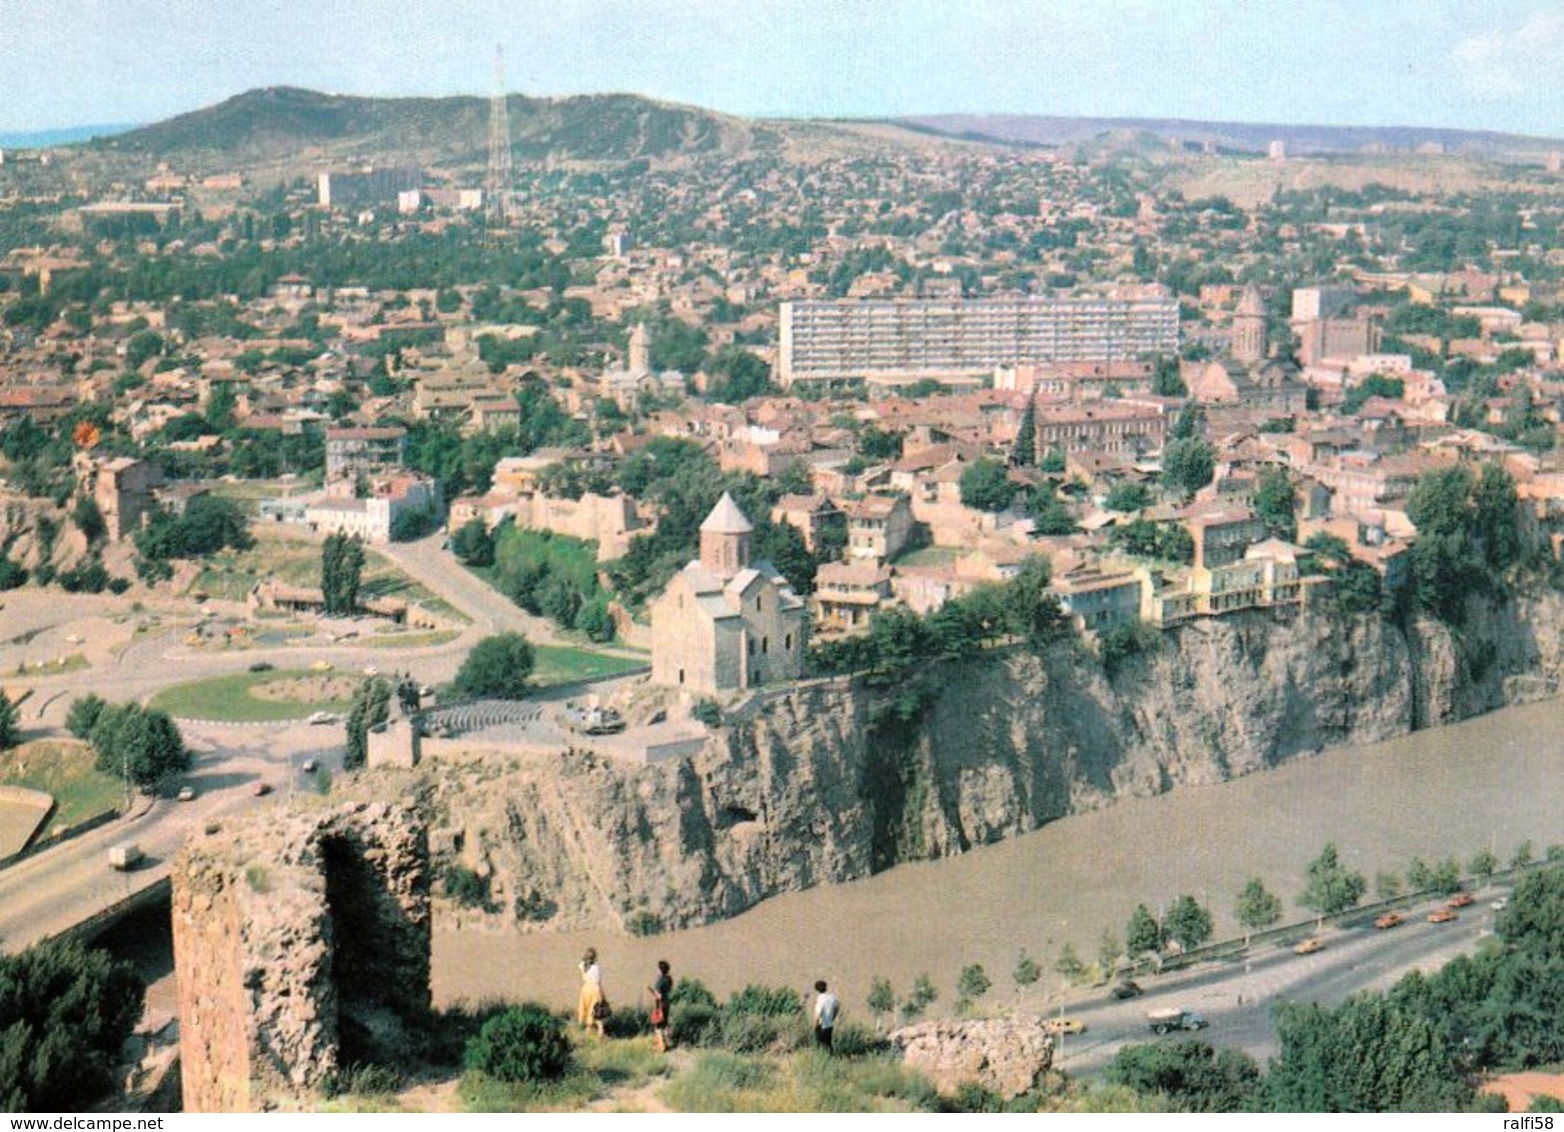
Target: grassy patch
<point>411,640</point>
<point>808,1081</point>
<point>929,556</point>
<point>598,1068</point>
<point>67,770</point>
<point>231,699</point>
<point>73,663</point>
<point>232,574</point>
<point>562,664</point>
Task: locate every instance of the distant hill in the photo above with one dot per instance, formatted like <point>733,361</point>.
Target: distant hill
<point>69,135</point>
<point>1247,137</point>
<point>277,124</point>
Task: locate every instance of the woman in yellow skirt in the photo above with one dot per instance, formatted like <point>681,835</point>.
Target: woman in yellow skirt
<point>592,1007</point>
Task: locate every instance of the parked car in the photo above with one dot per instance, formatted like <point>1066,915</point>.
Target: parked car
<point>1443,915</point>
<point>186,794</point>
<point>1389,920</point>
<point>1309,946</point>
<point>261,789</point>
<point>322,717</point>
<point>310,766</point>
<point>1129,988</point>
<point>1500,904</point>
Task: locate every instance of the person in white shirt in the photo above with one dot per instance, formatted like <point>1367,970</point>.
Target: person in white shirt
<point>826,1006</point>
<point>592,1007</point>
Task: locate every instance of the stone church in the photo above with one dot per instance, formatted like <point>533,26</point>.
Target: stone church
<point>724,622</point>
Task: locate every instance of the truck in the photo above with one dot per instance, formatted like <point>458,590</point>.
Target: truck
<point>125,857</point>
<point>1174,1018</point>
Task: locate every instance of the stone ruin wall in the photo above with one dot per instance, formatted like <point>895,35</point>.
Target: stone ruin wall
<point>301,940</point>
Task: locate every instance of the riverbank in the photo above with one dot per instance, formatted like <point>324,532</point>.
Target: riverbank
<point>1486,782</point>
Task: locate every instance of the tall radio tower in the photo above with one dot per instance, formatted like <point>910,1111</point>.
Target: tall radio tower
<point>497,185</point>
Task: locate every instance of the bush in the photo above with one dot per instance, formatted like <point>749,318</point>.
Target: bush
<point>497,668</point>
<point>767,1001</point>
<point>84,714</point>
<point>466,887</point>
<point>693,1015</point>
<point>64,1013</point>
<point>526,1043</point>
<point>708,712</point>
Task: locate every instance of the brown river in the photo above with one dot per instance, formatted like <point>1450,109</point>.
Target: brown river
<point>1490,782</point>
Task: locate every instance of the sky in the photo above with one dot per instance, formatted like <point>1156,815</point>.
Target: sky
<point>1475,64</point>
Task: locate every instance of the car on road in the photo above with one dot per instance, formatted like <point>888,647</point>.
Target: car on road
<point>1500,904</point>
<point>321,666</point>
<point>1389,920</point>
<point>1064,1026</point>
<point>310,766</point>
<point>1129,988</point>
<point>371,670</point>
<point>1309,946</point>
<point>186,794</point>
<point>322,717</point>
<point>1443,915</point>
<point>261,789</point>
<point>1174,1018</point>
<point>1460,900</point>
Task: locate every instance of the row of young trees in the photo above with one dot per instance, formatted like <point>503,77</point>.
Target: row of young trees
<point>1422,1046</point>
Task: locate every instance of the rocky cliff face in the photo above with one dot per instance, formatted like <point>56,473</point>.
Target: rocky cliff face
<point>824,782</point>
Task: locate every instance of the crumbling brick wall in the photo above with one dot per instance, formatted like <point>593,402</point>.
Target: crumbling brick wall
<point>301,945</point>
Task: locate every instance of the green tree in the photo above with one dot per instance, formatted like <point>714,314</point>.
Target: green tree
<point>1275,503</point>
<point>1032,608</point>
<point>882,998</point>
<point>1188,465</point>
<point>10,722</point>
<point>1387,885</point>
<point>371,707</point>
<point>973,982</point>
<point>1483,865</point>
<point>1168,381</point>
<point>473,543</point>
<point>341,573</point>
<point>141,744</point>
<point>1523,855</point>
<point>89,519</point>
<point>1256,908</point>
<point>1026,972</point>
<point>1419,876</point>
<point>498,667</point>
<point>83,714</point>
<point>1052,463</point>
<point>1069,964</point>
<point>1024,452</point>
<point>1446,877</point>
<point>65,1013</point>
<point>1369,1054</point>
<point>1190,1074</point>
<point>1187,923</point>
<point>1332,888</point>
<point>1127,497</point>
<point>986,486</point>
<point>1142,934</point>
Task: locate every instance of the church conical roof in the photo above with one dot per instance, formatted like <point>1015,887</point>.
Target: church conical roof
<point>726,518</point>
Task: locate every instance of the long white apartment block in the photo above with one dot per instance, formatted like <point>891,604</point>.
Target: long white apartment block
<point>856,340</point>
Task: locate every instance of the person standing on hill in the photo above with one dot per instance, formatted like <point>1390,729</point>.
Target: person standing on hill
<point>662,989</point>
<point>826,1006</point>
<point>592,1007</point>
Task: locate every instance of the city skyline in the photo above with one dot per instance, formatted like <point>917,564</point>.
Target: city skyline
<point>1473,65</point>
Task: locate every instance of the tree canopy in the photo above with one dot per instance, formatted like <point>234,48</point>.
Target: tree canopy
<point>497,668</point>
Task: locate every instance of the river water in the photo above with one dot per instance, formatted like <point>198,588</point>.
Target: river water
<point>1491,782</point>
